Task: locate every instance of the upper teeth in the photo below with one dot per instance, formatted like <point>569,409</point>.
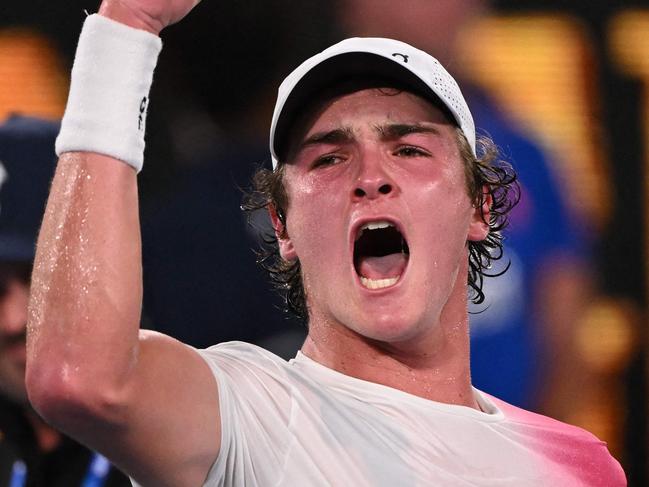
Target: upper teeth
<point>374,226</point>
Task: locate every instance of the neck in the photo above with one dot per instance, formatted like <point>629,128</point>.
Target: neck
<point>434,366</point>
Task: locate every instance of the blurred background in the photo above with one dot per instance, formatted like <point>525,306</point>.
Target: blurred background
<point>562,87</point>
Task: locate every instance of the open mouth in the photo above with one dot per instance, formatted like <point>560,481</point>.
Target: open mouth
<point>380,254</point>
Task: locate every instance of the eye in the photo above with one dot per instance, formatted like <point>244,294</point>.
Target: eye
<point>327,160</point>
<point>411,151</point>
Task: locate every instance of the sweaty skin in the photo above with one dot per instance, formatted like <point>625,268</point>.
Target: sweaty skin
<point>352,165</point>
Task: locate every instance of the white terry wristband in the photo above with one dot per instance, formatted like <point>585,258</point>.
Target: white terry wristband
<point>109,91</point>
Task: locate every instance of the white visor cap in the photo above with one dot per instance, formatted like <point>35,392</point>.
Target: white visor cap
<point>367,56</point>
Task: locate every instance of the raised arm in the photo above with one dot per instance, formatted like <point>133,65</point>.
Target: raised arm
<point>145,400</point>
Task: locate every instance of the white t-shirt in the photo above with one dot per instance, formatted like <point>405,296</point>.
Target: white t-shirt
<point>300,423</point>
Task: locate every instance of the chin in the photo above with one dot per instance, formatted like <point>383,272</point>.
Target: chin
<point>390,327</point>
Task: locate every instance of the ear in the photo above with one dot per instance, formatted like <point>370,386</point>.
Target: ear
<point>479,226</point>
<point>286,249</point>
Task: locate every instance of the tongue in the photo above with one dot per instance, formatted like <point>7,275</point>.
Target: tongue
<point>391,265</point>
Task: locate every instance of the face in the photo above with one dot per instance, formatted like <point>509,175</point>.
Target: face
<point>14,296</point>
<point>378,214</point>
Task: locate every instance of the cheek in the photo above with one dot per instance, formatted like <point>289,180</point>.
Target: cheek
<point>313,218</point>
<point>444,198</point>
<point>446,210</point>
<point>303,214</point>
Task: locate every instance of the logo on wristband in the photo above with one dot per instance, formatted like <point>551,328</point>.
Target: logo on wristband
<point>140,118</point>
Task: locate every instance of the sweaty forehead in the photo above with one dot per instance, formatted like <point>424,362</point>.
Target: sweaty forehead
<point>353,96</point>
<point>375,106</point>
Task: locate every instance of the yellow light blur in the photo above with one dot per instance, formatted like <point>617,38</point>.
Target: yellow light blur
<point>32,80</point>
<point>540,69</point>
<point>605,335</point>
<point>629,45</point>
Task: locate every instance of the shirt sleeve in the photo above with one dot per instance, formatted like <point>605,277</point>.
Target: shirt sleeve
<point>255,403</point>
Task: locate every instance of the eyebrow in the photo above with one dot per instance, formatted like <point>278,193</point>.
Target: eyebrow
<point>336,136</point>
<point>397,130</point>
<point>345,135</point>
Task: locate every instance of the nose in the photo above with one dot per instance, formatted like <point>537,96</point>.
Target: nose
<point>373,181</point>
<point>13,307</point>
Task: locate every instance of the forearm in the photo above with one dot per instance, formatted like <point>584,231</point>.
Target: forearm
<point>86,285</point>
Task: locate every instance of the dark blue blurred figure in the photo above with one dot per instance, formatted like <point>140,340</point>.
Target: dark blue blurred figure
<point>32,454</point>
<point>201,281</point>
<point>511,338</point>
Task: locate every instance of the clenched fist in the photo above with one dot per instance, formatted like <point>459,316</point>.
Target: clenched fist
<point>149,15</point>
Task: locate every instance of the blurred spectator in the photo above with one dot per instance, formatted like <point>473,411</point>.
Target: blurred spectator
<point>521,333</point>
<point>31,452</point>
<point>202,284</point>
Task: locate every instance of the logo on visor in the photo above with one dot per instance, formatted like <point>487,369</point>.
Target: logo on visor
<point>404,56</point>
